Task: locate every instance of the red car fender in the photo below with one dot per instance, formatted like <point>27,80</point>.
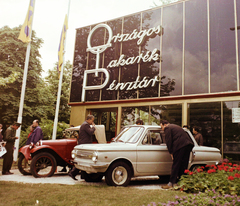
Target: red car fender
<point>25,150</point>
<point>41,147</point>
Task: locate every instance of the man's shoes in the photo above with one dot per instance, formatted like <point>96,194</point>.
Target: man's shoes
<point>73,177</point>
<point>7,173</point>
<point>168,186</point>
<point>63,170</point>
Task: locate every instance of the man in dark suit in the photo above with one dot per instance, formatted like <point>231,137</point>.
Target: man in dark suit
<point>10,137</point>
<point>85,137</point>
<point>179,145</point>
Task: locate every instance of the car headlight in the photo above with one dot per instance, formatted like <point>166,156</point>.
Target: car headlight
<point>94,156</point>
<point>74,154</point>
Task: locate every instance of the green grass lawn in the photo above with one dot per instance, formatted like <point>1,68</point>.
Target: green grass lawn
<point>54,194</point>
<point>84,195</point>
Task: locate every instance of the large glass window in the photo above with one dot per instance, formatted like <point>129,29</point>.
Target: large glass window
<point>196,48</point>
<point>79,63</point>
<point>92,80</point>
<point>231,130</point>
<point>131,114</point>
<point>172,113</point>
<point>222,48</point>
<point>112,53</point>
<point>207,116</point>
<point>238,28</point>
<point>171,69</point>
<point>130,49</point>
<point>150,19</point>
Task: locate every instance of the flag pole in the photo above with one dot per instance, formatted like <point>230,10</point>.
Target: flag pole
<point>19,120</point>
<point>60,84</point>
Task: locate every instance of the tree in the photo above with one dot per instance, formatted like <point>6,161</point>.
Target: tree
<point>52,81</point>
<point>12,58</point>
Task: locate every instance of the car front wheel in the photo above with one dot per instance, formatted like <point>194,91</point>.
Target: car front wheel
<point>43,165</point>
<point>118,174</point>
<point>23,165</point>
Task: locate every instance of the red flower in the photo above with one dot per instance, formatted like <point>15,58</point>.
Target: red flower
<point>232,169</point>
<point>237,175</point>
<point>199,170</point>
<point>202,167</point>
<point>186,171</point>
<point>190,173</point>
<point>230,178</point>
<point>235,165</point>
<point>230,163</point>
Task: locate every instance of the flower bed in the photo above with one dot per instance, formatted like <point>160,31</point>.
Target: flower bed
<point>211,185</point>
<point>223,178</point>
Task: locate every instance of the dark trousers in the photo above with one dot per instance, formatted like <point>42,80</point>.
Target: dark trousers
<point>74,172</point>
<point>8,157</point>
<point>180,163</point>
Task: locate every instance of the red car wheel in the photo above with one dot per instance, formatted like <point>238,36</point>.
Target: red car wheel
<point>43,165</point>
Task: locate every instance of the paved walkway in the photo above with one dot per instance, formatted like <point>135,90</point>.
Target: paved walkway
<point>63,178</point>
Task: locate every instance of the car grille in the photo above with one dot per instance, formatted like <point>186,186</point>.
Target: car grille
<point>84,154</point>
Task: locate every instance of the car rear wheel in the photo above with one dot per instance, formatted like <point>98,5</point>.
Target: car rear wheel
<point>24,165</point>
<point>43,165</point>
<point>195,167</point>
<point>118,174</point>
<point>93,177</point>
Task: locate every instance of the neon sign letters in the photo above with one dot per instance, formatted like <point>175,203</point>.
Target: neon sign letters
<point>122,61</point>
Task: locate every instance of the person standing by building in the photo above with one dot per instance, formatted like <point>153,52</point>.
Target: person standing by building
<point>85,137</point>
<point>9,137</point>
<point>37,133</point>
<point>179,146</point>
<point>198,136</point>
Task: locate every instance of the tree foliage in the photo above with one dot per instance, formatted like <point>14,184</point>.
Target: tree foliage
<point>40,94</point>
<point>12,60</point>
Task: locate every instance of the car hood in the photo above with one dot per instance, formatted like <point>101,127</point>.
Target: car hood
<point>106,147</point>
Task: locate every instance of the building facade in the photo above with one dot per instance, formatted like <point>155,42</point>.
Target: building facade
<point>179,62</point>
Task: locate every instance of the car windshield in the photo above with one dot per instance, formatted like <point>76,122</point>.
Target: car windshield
<point>129,134</point>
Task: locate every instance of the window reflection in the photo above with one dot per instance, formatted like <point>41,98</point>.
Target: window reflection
<point>207,116</point>
<point>112,53</point>
<point>150,19</point>
<point>238,28</point>
<point>171,113</point>
<point>130,49</point>
<point>131,114</point>
<point>231,131</point>
<point>196,48</point>
<point>79,63</point>
<point>223,52</point>
<point>172,47</point>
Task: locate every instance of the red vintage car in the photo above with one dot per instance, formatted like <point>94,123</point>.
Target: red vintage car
<point>42,160</point>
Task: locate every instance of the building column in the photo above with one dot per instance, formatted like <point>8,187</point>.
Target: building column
<point>184,113</point>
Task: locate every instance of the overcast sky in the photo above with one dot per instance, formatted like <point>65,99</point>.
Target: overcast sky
<point>49,17</point>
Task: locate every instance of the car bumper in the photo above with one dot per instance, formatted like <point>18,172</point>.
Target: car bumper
<point>91,168</point>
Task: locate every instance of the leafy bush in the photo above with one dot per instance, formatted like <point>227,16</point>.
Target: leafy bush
<point>47,128</point>
<point>223,178</point>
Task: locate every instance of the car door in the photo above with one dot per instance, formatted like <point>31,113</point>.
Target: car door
<point>152,154</point>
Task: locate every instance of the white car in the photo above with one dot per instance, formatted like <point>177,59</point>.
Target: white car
<point>139,150</point>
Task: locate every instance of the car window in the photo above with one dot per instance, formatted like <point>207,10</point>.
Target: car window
<point>129,134</point>
<point>153,137</point>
